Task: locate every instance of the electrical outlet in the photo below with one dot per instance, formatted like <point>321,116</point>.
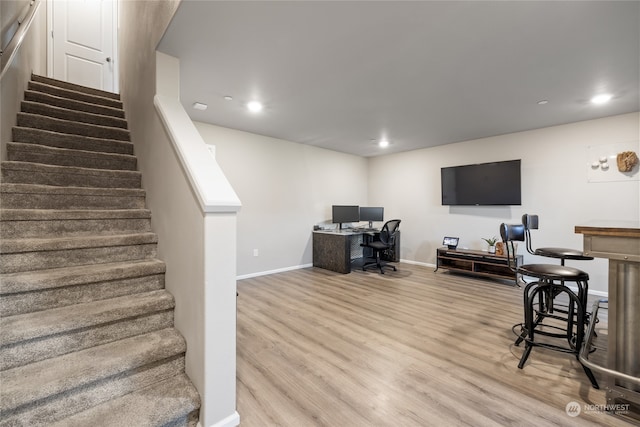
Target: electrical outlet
<point>255,252</point>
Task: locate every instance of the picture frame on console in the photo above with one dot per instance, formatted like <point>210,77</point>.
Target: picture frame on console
<point>451,242</point>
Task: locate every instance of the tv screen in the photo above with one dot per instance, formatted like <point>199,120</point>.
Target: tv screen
<point>496,183</point>
<point>342,213</point>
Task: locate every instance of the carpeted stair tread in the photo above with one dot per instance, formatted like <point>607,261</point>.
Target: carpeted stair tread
<point>77,275</point>
<point>166,403</point>
<point>46,223</point>
<point>32,196</point>
<point>23,327</point>
<point>84,368</point>
<point>53,189</point>
<point>8,246</point>
<point>30,254</point>
<point>74,87</point>
<point>67,114</point>
<point>35,153</point>
<point>61,176</point>
<point>74,94</point>
<point>70,141</point>
<point>53,214</point>
<point>68,126</point>
<point>72,104</point>
<point>32,291</point>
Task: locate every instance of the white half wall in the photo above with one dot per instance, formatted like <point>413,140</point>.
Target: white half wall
<point>200,269</point>
<point>554,186</point>
<point>285,188</point>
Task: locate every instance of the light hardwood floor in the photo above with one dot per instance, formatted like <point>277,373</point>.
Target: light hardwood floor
<point>408,348</point>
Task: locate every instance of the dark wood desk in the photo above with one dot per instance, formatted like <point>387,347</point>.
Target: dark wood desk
<point>339,251</point>
<point>619,242</point>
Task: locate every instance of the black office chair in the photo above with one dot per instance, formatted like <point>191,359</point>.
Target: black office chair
<point>387,242</point>
<point>530,222</point>
<point>551,279</point>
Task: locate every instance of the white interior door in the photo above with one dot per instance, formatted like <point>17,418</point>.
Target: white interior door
<point>83,40</point>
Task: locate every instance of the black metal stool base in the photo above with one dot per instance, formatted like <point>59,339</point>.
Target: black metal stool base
<point>574,320</point>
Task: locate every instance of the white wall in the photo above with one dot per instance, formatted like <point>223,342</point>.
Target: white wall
<point>554,186</point>
<point>285,189</point>
<point>30,57</point>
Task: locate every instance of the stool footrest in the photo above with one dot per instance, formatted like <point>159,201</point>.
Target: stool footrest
<point>523,336</point>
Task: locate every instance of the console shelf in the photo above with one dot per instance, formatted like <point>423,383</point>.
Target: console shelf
<point>479,263</point>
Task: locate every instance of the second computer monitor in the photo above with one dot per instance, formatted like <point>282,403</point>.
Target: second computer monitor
<point>370,214</point>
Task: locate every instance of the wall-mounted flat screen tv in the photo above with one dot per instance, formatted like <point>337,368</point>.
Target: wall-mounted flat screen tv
<point>496,183</point>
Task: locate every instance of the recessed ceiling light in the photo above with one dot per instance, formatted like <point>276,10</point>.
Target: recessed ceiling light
<point>543,102</point>
<point>228,98</point>
<point>199,106</point>
<point>254,106</point>
<point>383,143</point>
<point>601,99</point>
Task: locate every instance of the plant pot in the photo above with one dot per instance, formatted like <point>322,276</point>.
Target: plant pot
<point>492,249</point>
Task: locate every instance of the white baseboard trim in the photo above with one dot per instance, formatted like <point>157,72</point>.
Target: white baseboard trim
<point>278,270</point>
<point>406,261</point>
<point>231,421</point>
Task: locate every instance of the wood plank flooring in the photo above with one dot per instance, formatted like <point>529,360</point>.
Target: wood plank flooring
<point>408,348</point>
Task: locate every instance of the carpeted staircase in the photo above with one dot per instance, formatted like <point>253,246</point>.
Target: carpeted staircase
<point>86,327</point>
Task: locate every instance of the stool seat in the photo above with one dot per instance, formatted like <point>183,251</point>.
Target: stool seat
<point>553,272</point>
<point>562,253</point>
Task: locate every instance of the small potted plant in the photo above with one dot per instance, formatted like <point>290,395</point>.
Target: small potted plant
<point>492,243</point>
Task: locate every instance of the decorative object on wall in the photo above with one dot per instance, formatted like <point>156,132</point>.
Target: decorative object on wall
<point>622,154</point>
<point>627,160</point>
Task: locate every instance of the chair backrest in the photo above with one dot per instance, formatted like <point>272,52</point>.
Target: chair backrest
<point>530,222</point>
<point>388,232</point>
<point>512,233</point>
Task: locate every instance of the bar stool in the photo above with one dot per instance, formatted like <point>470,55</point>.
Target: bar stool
<point>551,279</point>
<point>530,222</point>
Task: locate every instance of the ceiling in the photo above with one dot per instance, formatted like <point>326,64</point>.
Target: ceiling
<point>344,75</point>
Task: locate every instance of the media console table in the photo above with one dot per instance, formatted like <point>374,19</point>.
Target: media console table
<point>480,263</point>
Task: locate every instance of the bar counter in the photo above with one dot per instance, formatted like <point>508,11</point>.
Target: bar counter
<point>619,242</point>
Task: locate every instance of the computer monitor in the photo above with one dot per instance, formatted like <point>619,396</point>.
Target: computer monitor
<point>369,213</point>
<point>343,213</point>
